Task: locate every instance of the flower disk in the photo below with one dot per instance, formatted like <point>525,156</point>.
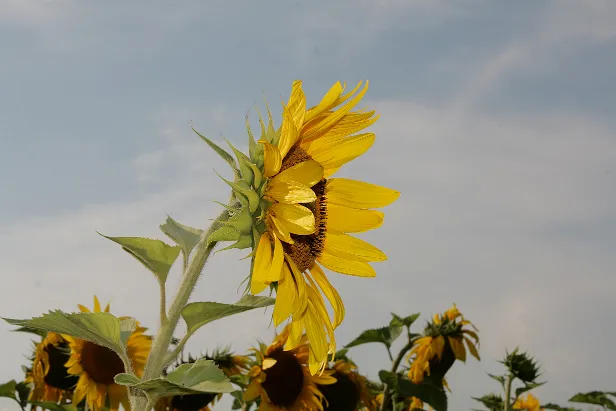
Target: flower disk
<point>306,215</point>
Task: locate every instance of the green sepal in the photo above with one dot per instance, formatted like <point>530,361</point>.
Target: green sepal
<point>245,241</point>
<point>241,221</point>
<point>242,159</point>
<point>252,144</point>
<point>258,176</point>
<point>224,233</point>
<point>243,188</point>
<point>221,152</point>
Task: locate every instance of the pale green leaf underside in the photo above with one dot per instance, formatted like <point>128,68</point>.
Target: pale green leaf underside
<point>184,236</point>
<point>199,314</point>
<point>100,328</point>
<point>156,255</point>
<point>202,376</point>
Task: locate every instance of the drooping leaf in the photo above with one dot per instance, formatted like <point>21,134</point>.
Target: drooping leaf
<point>498,378</point>
<point>184,236</point>
<point>52,406</point>
<point>426,391</point>
<point>101,328</point>
<point>527,387</point>
<point>31,331</point>
<point>384,335</point>
<point>157,256</point>
<point>389,378</point>
<point>202,376</point>
<point>556,407</point>
<point>492,402</point>
<point>199,314</point>
<point>594,397</point>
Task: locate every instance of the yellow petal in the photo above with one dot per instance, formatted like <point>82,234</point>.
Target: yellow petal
<point>268,363</point>
<point>252,392</point>
<point>83,308</point>
<point>343,266</point>
<point>437,346</point>
<point>272,160</point>
<point>301,302</point>
<point>116,395</point>
<point>285,297</point>
<point>306,173</point>
<point>334,154</point>
<point>290,192</point>
<point>297,104</point>
<point>458,348</point>
<point>472,348</point>
<point>330,292</point>
<point>263,260</point>
<point>296,218</point>
<point>107,308</point>
<point>349,124</point>
<point>288,134</point>
<point>352,220</point>
<point>275,271</point>
<point>317,338</point>
<point>359,194</point>
<point>351,248</point>
<point>326,102</point>
<point>97,305</point>
<point>80,389</point>
<point>278,229</point>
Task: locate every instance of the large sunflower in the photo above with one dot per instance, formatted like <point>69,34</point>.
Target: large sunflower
<point>308,214</point>
<point>48,376</point>
<point>349,389</point>
<point>229,364</point>
<point>282,380</point>
<point>442,343</point>
<point>96,367</point>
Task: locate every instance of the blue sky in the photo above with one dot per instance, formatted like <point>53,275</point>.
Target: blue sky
<point>497,125</point>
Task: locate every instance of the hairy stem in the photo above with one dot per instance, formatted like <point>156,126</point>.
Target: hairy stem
<point>507,405</point>
<point>394,367</point>
<point>163,303</point>
<point>160,344</point>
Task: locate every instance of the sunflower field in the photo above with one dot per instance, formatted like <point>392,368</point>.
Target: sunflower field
<point>296,220</point>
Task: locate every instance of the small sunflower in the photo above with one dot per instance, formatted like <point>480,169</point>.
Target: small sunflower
<point>282,380</point>
<point>442,343</point>
<point>304,215</point>
<point>96,366</point>
<point>349,389</point>
<point>230,364</point>
<point>529,403</point>
<point>49,376</point>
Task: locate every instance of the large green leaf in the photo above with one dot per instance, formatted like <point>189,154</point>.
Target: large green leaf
<point>492,402</point>
<point>101,328</point>
<point>17,391</point>
<point>184,236</point>
<point>556,407</point>
<point>385,335</point>
<point>202,376</point>
<point>157,256</point>
<point>527,387</point>
<point>425,391</point>
<point>199,314</point>
<point>52,406</point>
<point>594,397</point>
<point>405,321</point>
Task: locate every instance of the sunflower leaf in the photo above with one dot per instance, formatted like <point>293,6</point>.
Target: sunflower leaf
<point>527,387</point>
<point>157,256</point>
<point>425,391</point>
<point>50,405</point>
<point>40,333</point>
<point>8,390</point>
<point>199,314</point>
<point>405,321</point>
<point>594,397</point>
<point>184,236</point>
<point>100,328</point>
<point>202,376</point>
<point>492,402</point>
<point>550,406</point>
<point>384,335</point>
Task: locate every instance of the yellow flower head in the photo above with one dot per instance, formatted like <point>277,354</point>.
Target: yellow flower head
<point>282,379</point>
<point>49,376</point>
<point>530,403</point>
<point>442,343</point>
<point>305,215</point>
<point>96,366</point>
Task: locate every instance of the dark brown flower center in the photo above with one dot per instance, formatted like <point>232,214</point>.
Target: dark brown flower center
<point>307,248</point>
<point>341,396</point>
<point>285,379</point>
<point>191,402</point>
<point>57,375</point>
<point>100,363</point>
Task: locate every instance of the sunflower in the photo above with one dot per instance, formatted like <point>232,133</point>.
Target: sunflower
<point>229,364</point>
<point>349,389</point>
<point>530,403</point>
<point>96,366</point>
<point>49,376</point>
<point>442,343</point>
<point>305,215</point>
<point>282,380</point>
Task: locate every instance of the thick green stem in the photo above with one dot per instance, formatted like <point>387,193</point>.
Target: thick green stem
<point>160,344</point>
<point>163,303</point>
<point>386,390</point>
<point>507,405</point>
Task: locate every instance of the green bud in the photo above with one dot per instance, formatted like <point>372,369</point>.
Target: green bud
<point>522,366</point>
